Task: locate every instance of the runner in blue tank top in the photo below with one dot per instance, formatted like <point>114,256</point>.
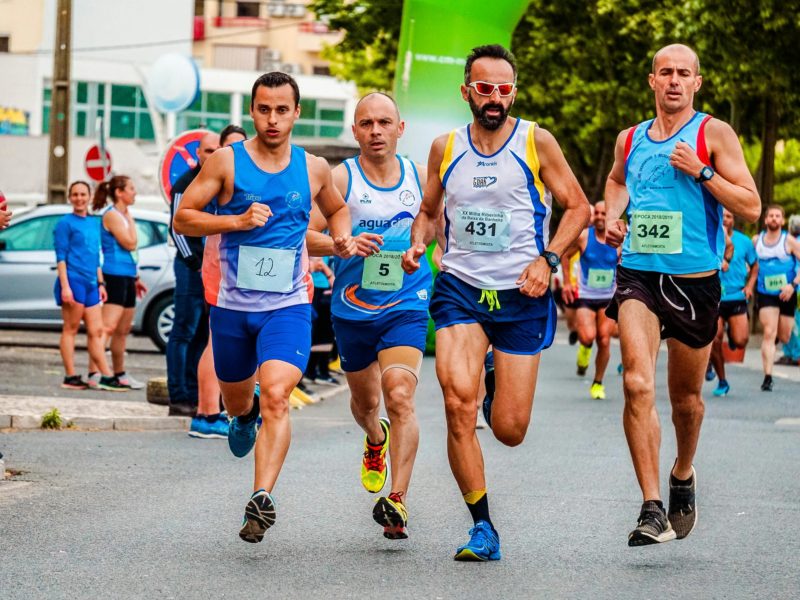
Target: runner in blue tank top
<point>738,280</point>
<point>498,261</point>
<point>596,283</point>
<point>257,282</point>
<point>776,291</point>
<point>380,314</point>
<point>671,176</point>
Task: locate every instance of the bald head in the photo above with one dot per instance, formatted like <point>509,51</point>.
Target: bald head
<point>378,100</point>
<point>209,143</point>
<point>677,51</point>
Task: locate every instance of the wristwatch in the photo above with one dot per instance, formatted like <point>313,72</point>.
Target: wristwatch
<point>553,260</point>
<point>706,173</point>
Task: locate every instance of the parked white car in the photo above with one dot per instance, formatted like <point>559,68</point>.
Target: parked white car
<point>28,272</point>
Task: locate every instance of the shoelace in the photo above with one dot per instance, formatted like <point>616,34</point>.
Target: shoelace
<point>650,515</point>
<point>373,459</point>
<point>491,299</point>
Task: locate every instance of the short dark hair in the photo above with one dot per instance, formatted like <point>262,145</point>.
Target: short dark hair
<point>489,51</point>
<point>273,80</point>
<point>775,207</point>
<point>228,131</point>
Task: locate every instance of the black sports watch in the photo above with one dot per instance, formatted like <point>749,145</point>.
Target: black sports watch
<point>706,173</point>
<point>553,260</point>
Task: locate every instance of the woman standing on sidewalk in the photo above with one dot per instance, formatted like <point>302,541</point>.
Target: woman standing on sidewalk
<point>119,242</point>
<point>80,288</point>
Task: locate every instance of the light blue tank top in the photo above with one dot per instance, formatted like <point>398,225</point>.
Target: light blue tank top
<point>661,196</point>
<point>116,260</point>
<point>359,291</point>
<point>776,265</point>
<point>598,269</point>
<point>264,268</point>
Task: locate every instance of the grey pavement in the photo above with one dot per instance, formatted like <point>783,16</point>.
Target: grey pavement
<point>156,514</point>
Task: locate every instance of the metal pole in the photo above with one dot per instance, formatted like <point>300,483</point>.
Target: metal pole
<point>58,163</point>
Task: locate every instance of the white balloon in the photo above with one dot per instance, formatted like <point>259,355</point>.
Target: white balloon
<point>173,82</point>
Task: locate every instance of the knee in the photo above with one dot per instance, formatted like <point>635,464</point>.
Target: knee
<point>364,405</point>
<point>71,328</point>
<point>461,413</point>
<point>400,403</point>
<point>587,339</point>
<point>637,384</point>
<point>740,340</point>
<point>508,431</point>
<point>95,331</point>
<point>689,405</point>
<point>603,341</point>
<point>274,400</point>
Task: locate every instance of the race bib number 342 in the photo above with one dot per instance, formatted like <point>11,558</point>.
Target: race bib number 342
<point>657,232</point>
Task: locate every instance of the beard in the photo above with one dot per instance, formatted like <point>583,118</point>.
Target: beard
<point>490,123</point>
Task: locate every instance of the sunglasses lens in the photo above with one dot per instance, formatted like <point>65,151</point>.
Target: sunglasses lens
<point>505,88</point>
<point>483,88</point>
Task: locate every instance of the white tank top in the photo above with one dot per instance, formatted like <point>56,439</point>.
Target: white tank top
<point>778,251</point>
<point>497,211</point>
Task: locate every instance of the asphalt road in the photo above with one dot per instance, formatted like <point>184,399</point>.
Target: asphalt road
<point>156,515</point>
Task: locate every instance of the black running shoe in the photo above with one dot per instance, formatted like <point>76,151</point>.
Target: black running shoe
<point>653,526</point>
<point>111,384</point>
<point>74,382</point>
<point>766,386</point>
<point>682,513</point>
<point>259,515</point>
<point>573,338</point>
<point>393,515</point>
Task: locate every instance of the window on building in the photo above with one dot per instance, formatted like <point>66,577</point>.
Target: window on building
<point>248,9</point>
<point>211,110</point>
<point>130,118</point>
<point>321,70</point>
<point>5,43</point>
<point>199,8</point>
<point>88,103</point>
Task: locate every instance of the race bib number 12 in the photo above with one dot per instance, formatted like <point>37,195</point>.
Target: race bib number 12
<point>265,269</point>
<point>657,232</point>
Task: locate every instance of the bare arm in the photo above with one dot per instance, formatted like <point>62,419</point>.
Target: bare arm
<point>190,219</point>
<point>558,177</point>
<point>752,277</point>
<point>424,228</point>
<point>616,195</point>
<point>122,228</point>
<point>332,207</point>
<point>732,185</point>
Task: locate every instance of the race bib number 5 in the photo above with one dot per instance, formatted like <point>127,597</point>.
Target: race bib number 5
<point>482,229</point>
<point>657,232</point>
<point>383,271</point>
<point>265,269</point>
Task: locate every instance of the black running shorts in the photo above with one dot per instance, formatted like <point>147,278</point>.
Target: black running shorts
<point>592,304</point>
<point>687,307</point>
<point>121,290</point>
<point>785,307</point>
<point>732,308</point>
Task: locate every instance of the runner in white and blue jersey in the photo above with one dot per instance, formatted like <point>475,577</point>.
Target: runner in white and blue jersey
<point>498,259</point>
<point>255,277</point>
<point>776,292</point>
<point>738,279</point>
<point>380,314</point>
<point>597,278</point>
<point>671,176</point>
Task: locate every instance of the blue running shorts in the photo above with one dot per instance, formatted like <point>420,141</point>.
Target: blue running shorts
<point>84,291</point>
<point>243,341</point>
<point>360,341</point>
<point>513,322</point>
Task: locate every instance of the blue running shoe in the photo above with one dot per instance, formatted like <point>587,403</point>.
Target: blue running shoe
<point>484,544</point>
<point>203,428</point>
<point>710,375</point>
<point>242,432</point>
<point>722,388</point>
<point>488,365</point>
<point>259,515</point>
<point>620,368</point>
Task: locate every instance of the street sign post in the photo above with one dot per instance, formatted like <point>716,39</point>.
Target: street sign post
<point>97,163</point>
<point>180,156</point>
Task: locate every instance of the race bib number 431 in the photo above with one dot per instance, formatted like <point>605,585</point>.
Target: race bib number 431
<point>265,269</point>
<point>482,229</point>
<point>657,232</point>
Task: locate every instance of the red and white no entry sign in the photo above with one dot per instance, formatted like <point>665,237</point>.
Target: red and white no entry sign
<point>97,167</point>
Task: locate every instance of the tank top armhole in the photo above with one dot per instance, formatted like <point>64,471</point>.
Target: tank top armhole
<point>447,158</point>
<point>702,148</point>
<point>416,176</point>
<point>629,141</point>
<point>349,180</point>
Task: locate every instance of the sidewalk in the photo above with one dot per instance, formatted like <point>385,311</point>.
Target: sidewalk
<point>25,412</point>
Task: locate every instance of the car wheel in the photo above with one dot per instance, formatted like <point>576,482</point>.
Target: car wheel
<point>159,321</point>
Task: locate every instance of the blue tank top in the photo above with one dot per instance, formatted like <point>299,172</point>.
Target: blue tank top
<point>776,265</point>
<point>265,268</point>
<point>734,279</point>
<point>598,269</point>
<point>675,224</point>
<point>116,260</point>
<point>365,289</point>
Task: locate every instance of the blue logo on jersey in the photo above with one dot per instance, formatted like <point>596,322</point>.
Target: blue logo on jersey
<point>294,199</point>
<point>384,223</point>
<point>483,163</point>
<point>480,183</point>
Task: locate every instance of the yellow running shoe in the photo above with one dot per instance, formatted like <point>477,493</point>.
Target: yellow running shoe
<point>373,466</point>
<point>392,514</point>
<point>598,391</point>
<point>584,356</point>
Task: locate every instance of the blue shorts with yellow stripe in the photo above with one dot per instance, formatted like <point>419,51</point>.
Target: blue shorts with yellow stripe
<point>513,322</point>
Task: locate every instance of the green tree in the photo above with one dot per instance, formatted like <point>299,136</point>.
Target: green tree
<point>367,53</point>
